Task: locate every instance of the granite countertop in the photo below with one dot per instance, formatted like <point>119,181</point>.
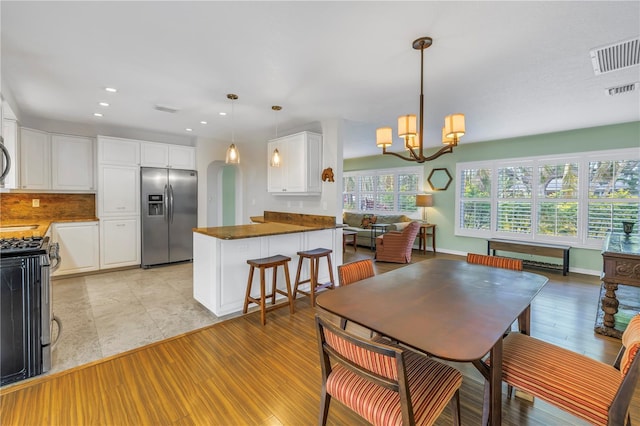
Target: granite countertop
<point>42,226</point>
<point>256,230</point>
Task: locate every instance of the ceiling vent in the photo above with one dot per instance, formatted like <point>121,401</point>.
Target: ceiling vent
<point>616,56</point>
<point>165,108</point>
<point>625,88</point>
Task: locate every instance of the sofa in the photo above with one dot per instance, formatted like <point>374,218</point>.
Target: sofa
<point>358,221</point>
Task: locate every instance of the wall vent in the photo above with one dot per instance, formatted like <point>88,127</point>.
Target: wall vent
<point>616,56</point>
<point>165,108</point>
<point>625,88</point>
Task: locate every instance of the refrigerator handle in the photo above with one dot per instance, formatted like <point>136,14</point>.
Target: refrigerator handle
<point>165,212</point>
<point>171,203</point>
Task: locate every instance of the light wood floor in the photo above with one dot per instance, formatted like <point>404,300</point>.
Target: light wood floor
<point>241,373</point>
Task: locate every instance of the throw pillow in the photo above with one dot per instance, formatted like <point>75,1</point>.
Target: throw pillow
<point>367,221</point>
<point>401,225</point>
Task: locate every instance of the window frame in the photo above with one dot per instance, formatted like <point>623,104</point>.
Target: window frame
<point>396,172</point>
<point>581,239</point>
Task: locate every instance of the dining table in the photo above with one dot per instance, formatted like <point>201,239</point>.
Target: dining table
<point>447,309</point>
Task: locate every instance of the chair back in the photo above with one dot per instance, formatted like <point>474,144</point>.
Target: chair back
<point>396,246</point>
<point>374,362</point>
<point>495,261</point>
<point>355,271</point>
<point>629,364</point>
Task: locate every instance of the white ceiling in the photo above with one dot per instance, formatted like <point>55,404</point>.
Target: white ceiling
<point>513,68</point>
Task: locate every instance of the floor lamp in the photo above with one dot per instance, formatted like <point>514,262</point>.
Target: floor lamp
<point>424,200</point>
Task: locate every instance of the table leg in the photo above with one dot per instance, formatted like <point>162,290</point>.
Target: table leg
<point>610,304</point>
<point>433,239</point>
<point>524,321</point>
<point>495,385</point>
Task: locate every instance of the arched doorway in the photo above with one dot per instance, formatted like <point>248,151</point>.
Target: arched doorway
<point>224,194</point>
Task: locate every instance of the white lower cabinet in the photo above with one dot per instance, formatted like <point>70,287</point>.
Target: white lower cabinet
<point>220,269</point>
<point>119,242</point>
<point>79,247</point>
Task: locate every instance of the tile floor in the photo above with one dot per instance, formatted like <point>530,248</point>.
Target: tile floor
<point>112,312</point>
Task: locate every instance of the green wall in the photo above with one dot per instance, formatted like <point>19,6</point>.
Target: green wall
<point>229,195</point>
<point>626,135</point>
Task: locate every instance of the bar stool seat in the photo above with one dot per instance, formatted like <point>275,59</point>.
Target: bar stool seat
<point>314,257</point>
<point>263,264</point>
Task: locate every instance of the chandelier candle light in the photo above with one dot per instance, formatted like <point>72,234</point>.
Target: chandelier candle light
<point>452,130</point>
<point>233,156</point>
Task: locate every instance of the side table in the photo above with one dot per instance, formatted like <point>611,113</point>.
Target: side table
<point>423,234</point>
<point>353,240</point>
<point>375,227</point>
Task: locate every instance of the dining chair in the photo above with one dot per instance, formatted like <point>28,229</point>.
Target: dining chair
<point>384,384</point>
<point>495,261</point>
<point>396,246</point>
<point>589,389</point>
<point>351,272</point>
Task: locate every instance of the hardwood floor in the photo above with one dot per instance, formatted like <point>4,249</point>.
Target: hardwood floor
<point>239,372</point>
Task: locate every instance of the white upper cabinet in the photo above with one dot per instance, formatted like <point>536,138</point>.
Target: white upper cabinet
<point>35,159</point>
<point>59,162</point>
<point>154,154</point>
<point>182,157</point>
<point>124,152</point>
<point>72,159</point>
<point>300,165</point>
<point>167,155</point>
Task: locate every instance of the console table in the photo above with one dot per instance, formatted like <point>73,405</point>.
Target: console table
<point>621,265</point>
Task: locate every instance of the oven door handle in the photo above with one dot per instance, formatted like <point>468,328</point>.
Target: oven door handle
<point>54,255</point>
<point>5,152</point>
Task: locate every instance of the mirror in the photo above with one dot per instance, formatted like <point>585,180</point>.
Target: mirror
<point>439,179</point>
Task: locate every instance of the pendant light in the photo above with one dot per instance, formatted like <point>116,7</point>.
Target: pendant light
<point>452,131</point>
<point>233,156</point>
<point>275,157</point>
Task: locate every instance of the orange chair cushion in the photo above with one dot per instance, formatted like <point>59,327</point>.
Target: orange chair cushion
<point>355,271</point>
<point>631,342</point>
<point>431,386</point>
<point>382,365</point>
<point>495,261</point>
<point>574,382</point>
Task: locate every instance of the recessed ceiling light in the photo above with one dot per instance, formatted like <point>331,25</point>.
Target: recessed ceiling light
<point>110,89</point>
<point>189,130</point>
<point>223,113</point>
<point>97,114</point>
<point>203,122</point>
<point>104,104</point>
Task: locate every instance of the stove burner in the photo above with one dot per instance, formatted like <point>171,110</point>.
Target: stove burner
<point>13,245</point>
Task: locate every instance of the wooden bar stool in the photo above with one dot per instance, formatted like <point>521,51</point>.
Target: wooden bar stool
<point>314,258</point>
<point>264,263</point>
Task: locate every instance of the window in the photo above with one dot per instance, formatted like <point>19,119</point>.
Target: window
<point>573,199</point>
<point>382,191</point>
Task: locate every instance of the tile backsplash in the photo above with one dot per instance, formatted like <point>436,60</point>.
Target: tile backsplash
<point>51,206</point>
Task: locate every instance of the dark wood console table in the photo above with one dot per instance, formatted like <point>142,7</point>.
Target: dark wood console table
<point>621,265</point>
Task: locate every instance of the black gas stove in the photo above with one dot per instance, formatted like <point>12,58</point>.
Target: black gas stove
<point>11,247</point>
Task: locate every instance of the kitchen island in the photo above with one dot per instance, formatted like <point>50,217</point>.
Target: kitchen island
<point>220,255</point>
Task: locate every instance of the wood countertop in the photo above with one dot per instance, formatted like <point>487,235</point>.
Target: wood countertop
<point>256,230</point>
<point>42,226</point>
<point>271,223</point>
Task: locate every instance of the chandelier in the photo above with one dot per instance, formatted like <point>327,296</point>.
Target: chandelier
<point>452,130</point>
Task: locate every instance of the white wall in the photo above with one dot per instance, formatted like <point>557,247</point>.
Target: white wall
<point>253,167</point>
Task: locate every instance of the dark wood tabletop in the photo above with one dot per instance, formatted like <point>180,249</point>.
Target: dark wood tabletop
<point>450,309</point>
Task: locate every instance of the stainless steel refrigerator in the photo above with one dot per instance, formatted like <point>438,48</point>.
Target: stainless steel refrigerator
<point>169,213</point>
